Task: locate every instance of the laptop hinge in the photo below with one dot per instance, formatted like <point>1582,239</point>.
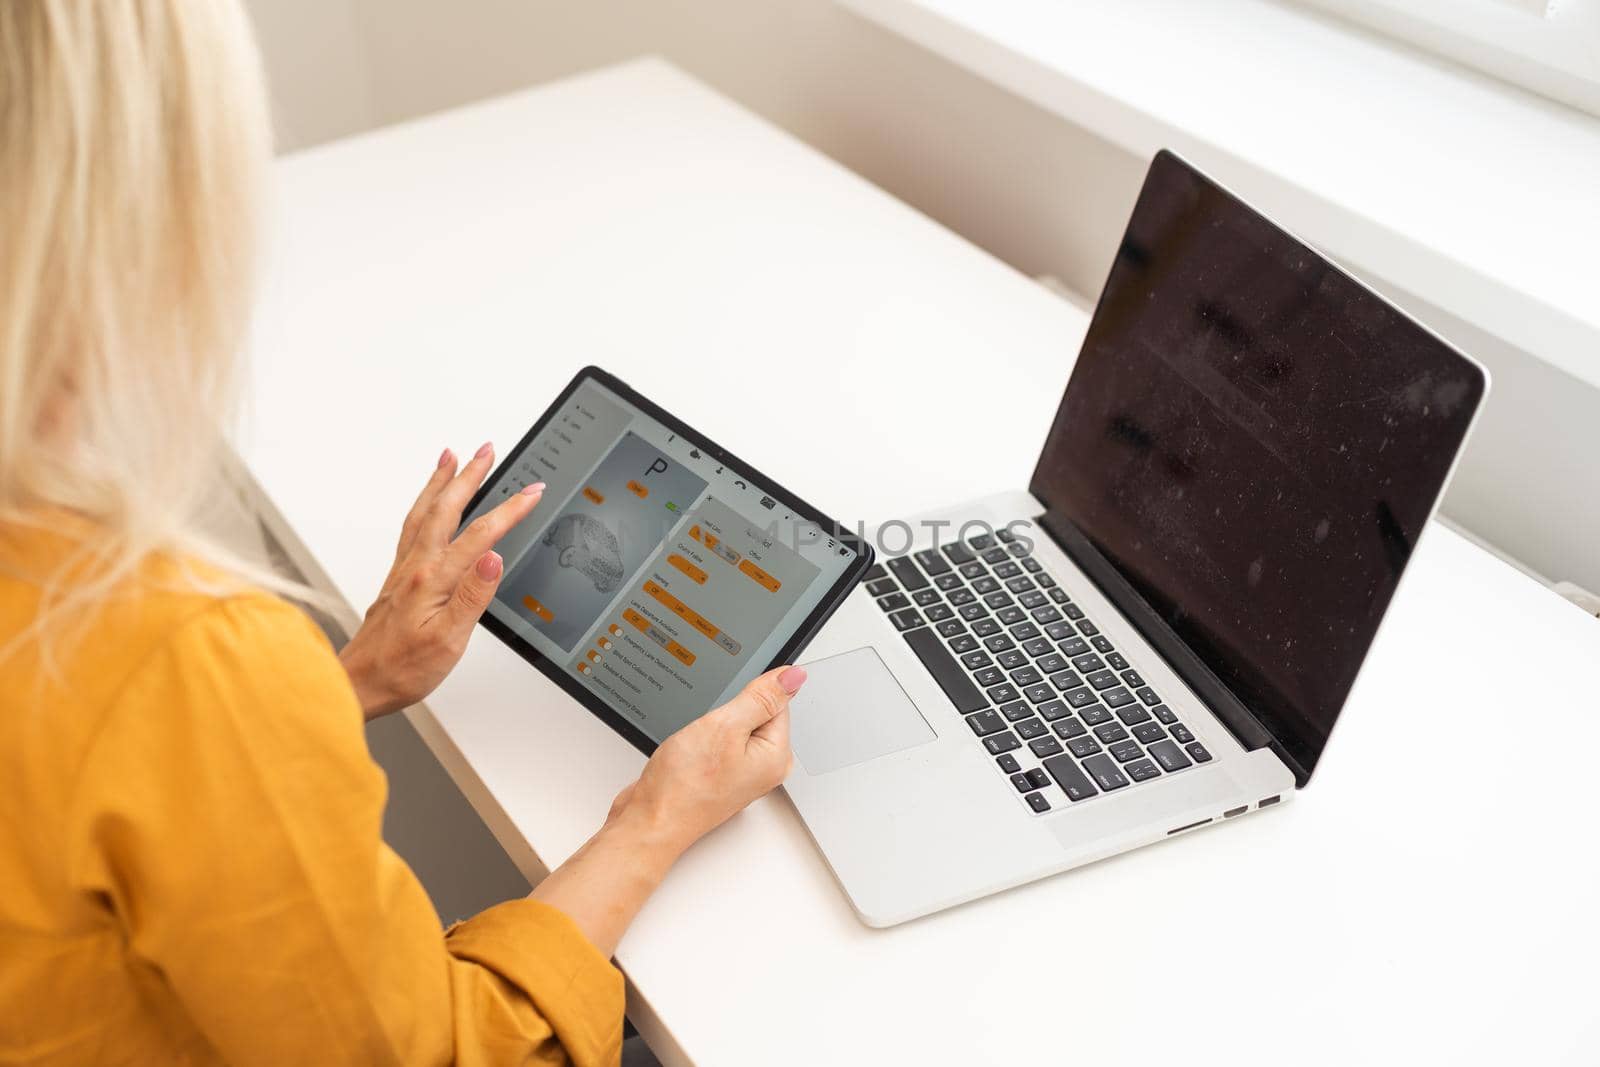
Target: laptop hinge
<point>1240,721</point>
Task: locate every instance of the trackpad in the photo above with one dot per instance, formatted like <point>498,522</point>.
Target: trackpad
<point>852,710</point>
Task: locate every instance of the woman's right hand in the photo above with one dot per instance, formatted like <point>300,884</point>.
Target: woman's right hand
<point>714,767</point>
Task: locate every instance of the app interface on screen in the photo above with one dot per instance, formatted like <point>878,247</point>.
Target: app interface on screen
<point>658,576</point>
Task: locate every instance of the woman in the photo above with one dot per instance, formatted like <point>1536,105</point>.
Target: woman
<point>190,862</point>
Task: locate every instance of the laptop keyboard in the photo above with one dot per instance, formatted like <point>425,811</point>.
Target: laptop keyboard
<point>1044,691</point>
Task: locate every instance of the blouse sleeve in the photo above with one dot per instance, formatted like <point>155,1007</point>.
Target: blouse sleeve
<point>229,816</point>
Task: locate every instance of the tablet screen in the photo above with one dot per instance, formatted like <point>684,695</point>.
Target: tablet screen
<point>653,573</point>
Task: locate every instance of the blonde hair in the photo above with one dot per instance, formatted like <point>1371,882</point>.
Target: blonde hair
<point>134,141</point>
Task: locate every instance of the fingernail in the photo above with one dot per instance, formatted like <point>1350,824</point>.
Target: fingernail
<point>489,565</point>
<point>792,679</point>
<point>444,458</point>
<point>533,490</point>
<point>487,448</point>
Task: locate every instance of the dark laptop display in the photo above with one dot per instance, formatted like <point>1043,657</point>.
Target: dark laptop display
<point>1254,442</point>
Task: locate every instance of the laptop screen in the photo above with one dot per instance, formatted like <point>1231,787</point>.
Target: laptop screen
<point>1254,441</point>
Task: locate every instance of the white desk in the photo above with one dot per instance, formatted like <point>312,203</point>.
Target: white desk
<point>1432,895</point>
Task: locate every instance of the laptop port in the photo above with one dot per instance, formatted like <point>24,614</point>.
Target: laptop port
<point>1191,826</point>
<point>1240,810</point>
<point>1268,801</point>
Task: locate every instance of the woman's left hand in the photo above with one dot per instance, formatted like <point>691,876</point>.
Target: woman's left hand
<point>418,627</point>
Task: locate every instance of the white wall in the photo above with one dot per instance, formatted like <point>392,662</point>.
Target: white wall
<point>1039,193</point>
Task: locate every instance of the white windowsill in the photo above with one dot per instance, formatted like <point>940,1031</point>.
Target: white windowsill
<point>1480,198</point>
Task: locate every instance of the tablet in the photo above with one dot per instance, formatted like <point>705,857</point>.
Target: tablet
<point>660,572</point>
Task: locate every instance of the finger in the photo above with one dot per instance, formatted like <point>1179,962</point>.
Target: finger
<point>763,699</point>
<point>474,592</point>
<point>485,531</point>
<point>443,471</point>
<point>444,514</point>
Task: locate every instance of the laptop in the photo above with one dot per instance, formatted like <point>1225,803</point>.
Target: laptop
<point>1158,634</point>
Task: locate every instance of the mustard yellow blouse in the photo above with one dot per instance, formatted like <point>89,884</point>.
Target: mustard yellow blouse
<point>191,869</point>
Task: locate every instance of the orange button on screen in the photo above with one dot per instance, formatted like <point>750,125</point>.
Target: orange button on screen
<point>537,608</point>
<point>695,574</point>
<point>638,490</point>
<point>763,579</point>
<point>594,497</point>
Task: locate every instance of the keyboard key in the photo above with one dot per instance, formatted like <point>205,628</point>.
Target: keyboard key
<point>1132,680</point>
<point>1197,752</point>
<point>1181,732</point>
<point>1032,566</point>
<point>1093,714</point>
<point>910,577</point>
<point>948,582</point>
<point>1045,746</point>
<point>1020,584</point>
<point>1106,775</point>
<point>958,597</point>
<point>1170,756</point>
<point>1039,646</point>
<point>905,620</point>
<point>945,670</point>
<point>1007,570</point>
<point>874,572</point>
<point>1044,614</point>
<point>997,643</point>
<point>1081,697</point>
<point>1061,631</point>
<point>1086,628</point>
<point>974,612</point>
<point>1146,694</point>
<point>1020,780</point>
<point>1116,661</point>
<point>1001,694</point>
<point>987,676</point>
<point>939,613</point>
<point>1010,615</point>
<point>1109,732</point>
<point>1025,632</point>
<point>1101,643</point>
<point>931,561</point>
<point>1039,802</point>
<point>994,555</point>
<point>1074,647</point>
<point>961,642</point>
<point>1058,595</point>
<point>1005,536</point>
<point>1141,769</point>
<point>958,553</point>
<point>1101,679</point>
<point>983,627</point>
<point>987,721</point>
<point>1039,694</point>
<point>1019,551</point>
<point>1149,731</point>
<point>1067,729</point>
<point>1083,746</point>
<point>1009,764</point>
<point>882,587</point>
<point>1123,751</point>
<point>1072,611</point>
<point>923,597</point>
<point>1026,676</point>
<point>1072,781</point>
<point>976,660</point>
<point>1164,713</point>
<point>1053,710</point>
<point>974,570</point>
<point>1052,663</point>
<point>1017,709</point>
<point>894,602</point>
<point>998,599</point>
<point>1088,662</point>
<point>1039,779</point>
<point>985,585</point>
<point>1012,659</point>
<point>1132,713</point>
<point>1065,680</point>
<point>981,543</point>
<point>998,743</point>
<point>1117,697</point>
<point>1030,728</point>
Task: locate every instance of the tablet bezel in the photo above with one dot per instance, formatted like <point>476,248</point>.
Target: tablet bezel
<point>792,646</point>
